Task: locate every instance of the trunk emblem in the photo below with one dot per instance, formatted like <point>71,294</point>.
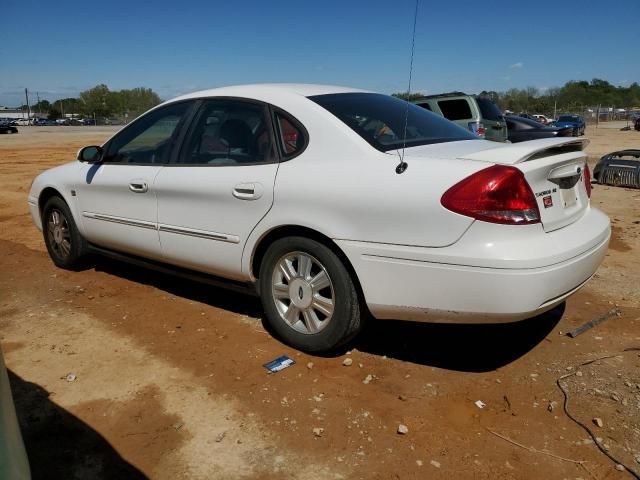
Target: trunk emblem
<point>547,201</point>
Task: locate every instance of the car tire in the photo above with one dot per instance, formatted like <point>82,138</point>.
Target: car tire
<point>308,295</point>
<point>67,248</point>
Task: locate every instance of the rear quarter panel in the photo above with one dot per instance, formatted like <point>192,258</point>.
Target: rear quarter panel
<point>357,195</point>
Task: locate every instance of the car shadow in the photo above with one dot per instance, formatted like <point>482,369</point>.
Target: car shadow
<point>243,304</point>
<point>463,347</point>
<point>60,445</point>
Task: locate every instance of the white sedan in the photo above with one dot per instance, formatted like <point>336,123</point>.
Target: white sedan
<point>332,203</point>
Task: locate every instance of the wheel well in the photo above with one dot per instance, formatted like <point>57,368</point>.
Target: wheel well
<point>298,231</point>
<point>45,195</point>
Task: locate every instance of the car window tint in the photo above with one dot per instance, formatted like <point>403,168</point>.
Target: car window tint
<point>290,137</point>
<point>455,109</point>
<point>488,109</point>
<point>389,123</point>
<point>148,139</point>
<point>426,106</point>
<point>229,132</point>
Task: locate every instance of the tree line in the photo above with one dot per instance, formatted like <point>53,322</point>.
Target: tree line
<point>101,102</point>
<point>572,96</point>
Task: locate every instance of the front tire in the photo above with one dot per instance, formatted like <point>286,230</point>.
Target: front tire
<point>308,295</point>
<point>66,246</point>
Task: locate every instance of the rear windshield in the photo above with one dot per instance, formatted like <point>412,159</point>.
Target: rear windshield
<point>567,118</point>
<point>455,109</point>
<point>380,120</point>
<point>488,109</point>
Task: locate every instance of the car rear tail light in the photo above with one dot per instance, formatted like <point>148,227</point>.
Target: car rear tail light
<point>587,179</point>
<point>477,128</point>
<point>498,194</point>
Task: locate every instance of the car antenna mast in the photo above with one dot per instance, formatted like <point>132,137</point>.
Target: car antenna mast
<point>402,166</point>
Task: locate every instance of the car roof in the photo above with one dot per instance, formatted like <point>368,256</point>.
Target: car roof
<point>442,95</point>
<point>262,90</point>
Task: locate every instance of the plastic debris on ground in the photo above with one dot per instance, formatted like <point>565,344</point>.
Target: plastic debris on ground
<point>278,364</point>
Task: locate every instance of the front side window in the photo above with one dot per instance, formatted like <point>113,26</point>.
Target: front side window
<point>229,132</point>
<point>148,139</point>
<point>382,120</point>
<point>455,109</point>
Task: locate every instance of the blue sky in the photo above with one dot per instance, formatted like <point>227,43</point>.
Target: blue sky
<point>180,46</point>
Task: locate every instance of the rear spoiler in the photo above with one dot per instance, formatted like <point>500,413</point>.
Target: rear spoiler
<point>523,151</point>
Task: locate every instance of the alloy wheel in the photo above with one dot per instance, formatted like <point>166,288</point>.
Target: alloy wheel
<point>58,234</point>
<point>303,292</point>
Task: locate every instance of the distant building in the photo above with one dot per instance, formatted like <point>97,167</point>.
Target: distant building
<point>7,112</point>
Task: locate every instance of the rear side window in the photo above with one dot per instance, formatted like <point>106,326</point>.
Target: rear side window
<point>426,106</point>
<point>488,109</point>
<point>455,109</point>
<point>290,138</point>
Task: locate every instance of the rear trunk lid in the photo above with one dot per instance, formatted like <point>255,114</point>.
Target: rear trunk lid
<point>555,171</point>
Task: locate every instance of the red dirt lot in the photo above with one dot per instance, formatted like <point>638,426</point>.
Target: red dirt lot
<point>169,382</point>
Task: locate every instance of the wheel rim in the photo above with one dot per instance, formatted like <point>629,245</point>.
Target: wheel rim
<point>58,235</point>
<point>303,292</point>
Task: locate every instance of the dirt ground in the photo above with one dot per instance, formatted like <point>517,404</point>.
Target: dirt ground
<point>169,382</point>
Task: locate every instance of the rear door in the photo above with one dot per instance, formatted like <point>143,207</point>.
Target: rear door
<point>219,187</point>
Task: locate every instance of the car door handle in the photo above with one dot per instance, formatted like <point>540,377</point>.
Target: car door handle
<point>138,186</point>
<point>248,191</point>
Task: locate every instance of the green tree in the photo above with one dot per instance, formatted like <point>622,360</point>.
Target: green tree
<point>408,96</point>
<point>95,101</point>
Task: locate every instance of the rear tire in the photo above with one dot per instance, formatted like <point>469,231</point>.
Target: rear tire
<point>308,295</point>
<point>66,246</point>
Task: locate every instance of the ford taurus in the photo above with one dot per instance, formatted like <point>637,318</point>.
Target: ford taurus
<point>333,204</point>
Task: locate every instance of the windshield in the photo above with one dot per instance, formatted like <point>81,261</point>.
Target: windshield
<point>380,120</point>
<point>525,121</point>
<point>567,118</point>
<point>488,109</point>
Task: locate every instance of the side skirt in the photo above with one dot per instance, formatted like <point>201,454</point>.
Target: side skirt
<point>240,287</point>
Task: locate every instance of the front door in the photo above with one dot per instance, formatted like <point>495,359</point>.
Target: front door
<point>117,197</point>
<point>220,187</point>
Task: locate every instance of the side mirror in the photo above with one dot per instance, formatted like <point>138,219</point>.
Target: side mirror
<point>91,154</point>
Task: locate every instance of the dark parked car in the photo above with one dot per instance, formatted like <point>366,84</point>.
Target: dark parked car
<point>620,169</point>
<point>637,124</point>
<point>6,127</point>
<point>523,129</point>
<point>526,115</point>
<point>574,121</point>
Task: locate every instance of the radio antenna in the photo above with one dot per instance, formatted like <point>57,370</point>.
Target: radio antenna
<point>402,166</point>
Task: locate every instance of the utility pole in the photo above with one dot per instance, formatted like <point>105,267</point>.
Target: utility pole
<point>26,94</point>
<point>555,108</point>
<point>38,97</point>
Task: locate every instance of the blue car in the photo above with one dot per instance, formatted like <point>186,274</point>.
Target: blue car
<point>573,121</point>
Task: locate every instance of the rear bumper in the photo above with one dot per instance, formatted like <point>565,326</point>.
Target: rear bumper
<point>524,276</point>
